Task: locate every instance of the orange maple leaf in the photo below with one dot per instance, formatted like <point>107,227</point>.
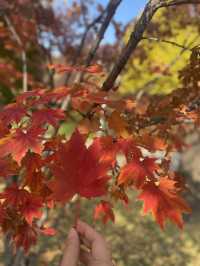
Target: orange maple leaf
<point>164,202</point>
<point>20,142</point>
<point>117,123</point>
<point>129,148</point>
<point>137,171</point>
<point>106,148</point>
<point>104,211</point>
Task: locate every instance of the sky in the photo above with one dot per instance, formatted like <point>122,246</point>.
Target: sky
<point>127,10</point>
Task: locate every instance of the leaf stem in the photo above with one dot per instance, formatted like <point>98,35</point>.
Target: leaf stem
<point>77,210</point>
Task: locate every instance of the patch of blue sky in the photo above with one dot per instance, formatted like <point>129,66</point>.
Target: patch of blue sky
<point>127,10</point>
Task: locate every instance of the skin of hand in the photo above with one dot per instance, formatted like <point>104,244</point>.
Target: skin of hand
<point>96,253</point>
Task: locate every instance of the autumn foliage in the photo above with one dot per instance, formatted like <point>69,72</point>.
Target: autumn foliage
<point>51,168</point>
<point>120,144</point>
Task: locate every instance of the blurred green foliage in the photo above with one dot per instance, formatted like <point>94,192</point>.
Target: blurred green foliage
<point>155,65</point>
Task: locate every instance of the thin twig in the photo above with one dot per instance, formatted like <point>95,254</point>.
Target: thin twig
<point>23,53</point>
<point>151,82</point>
<point>110,11</point>
<point>77,210</point>
<point>168,42</point>
<point>82,42</point>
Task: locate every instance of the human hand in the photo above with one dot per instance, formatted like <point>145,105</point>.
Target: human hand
<point>71,250</point>
<point>97,253</point>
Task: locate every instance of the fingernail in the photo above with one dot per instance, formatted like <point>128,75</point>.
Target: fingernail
<point>72,232</point>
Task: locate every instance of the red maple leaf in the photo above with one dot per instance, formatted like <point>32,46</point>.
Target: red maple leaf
<point>50,116</point>
<point>2,213</point>
<point>164,202</point>
<point>54,95</point>
<point>59,68</point>
<point>30,97</point>
<point>48,231</point>
<point>106,148</point>
<point>28,204</point>
<point>33,177</point>
<point>31,208</point>
<point>12,113</point>
<point>34,180</point>
<point>3,129</point>
<point>93,69</point>
<point>77,170</point>
<point>14,196</point>
<point>25,237</point>
<point>20,142</point>
<point>104,211</point>
<point>33,162</point>
<point>45,193</point>
<point>7,167</point>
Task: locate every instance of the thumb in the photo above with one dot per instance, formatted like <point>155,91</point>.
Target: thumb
<point>72,249</point>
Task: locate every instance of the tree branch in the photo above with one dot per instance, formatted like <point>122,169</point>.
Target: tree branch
<point>110,10</point>
<point>89,26</point>
<point>168,3</point>
<point>23,53</point>
<point>136,36</point>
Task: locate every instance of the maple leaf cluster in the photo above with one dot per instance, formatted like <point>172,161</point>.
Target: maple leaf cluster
<point>110,153</point>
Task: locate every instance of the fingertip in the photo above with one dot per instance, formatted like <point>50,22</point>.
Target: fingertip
<point>72,233</point>
<point>80,225</point>
<point>73,237</point>
<point>87,231</point>
<point>71,249</point>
